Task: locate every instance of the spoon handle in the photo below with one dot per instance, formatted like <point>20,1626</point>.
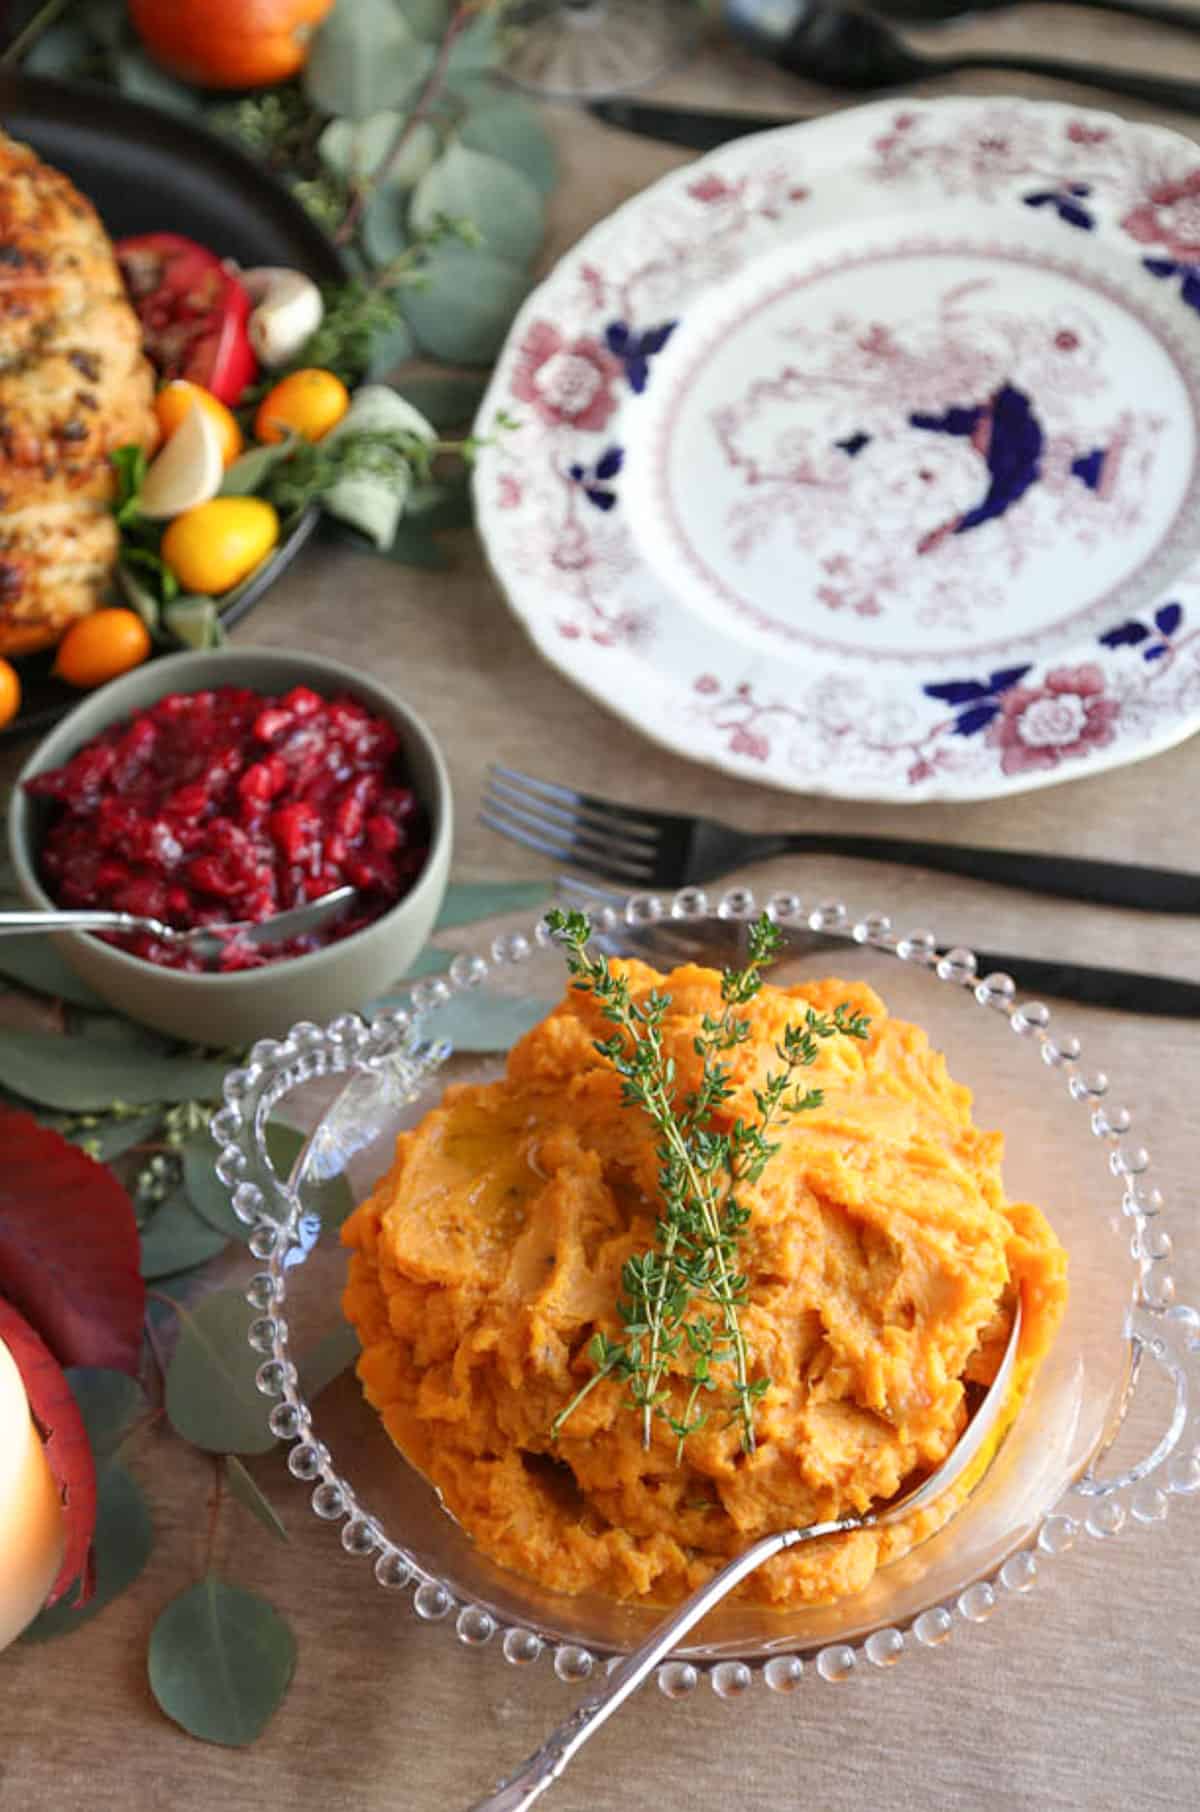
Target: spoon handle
<point>543,1768</point>
<point>1160,91</point>
<point>20,924</point>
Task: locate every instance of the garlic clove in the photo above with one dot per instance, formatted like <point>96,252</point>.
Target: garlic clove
<point>288,311</point>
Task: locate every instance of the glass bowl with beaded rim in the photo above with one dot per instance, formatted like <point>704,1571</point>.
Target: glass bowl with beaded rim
<point>1127,1357</point>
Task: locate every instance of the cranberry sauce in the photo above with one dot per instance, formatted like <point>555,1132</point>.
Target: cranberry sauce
<point>213,807</point>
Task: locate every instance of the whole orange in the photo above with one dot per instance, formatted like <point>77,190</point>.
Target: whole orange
<point>101,646</point>
<point>10,693</point>
<point>308,403</point>
<point>228,43</point>
<point>176,398</point>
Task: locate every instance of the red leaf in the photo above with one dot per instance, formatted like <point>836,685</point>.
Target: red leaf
<point>67,1448</point>
<point>69,1253</point>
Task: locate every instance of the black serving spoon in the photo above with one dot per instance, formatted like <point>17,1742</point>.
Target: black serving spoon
<point>938,12</point>
<point>842,48</point>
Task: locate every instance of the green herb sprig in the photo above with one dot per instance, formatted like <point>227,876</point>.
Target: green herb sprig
<point>309,470</point>
<point>685,1293</point>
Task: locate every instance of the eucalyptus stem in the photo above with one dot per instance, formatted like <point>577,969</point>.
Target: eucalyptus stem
<point>430,93</point>
<point>214,1511</point>
<point>27,37</point>
<point>156,1352</point>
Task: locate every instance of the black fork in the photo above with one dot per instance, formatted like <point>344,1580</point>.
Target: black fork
<point>636,847</point>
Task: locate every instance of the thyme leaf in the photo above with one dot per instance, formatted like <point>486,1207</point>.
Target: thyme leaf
<point>682,1298</point>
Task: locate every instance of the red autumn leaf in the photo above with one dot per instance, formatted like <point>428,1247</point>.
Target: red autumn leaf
<point>67,1448</point>
<point>69,1255</point>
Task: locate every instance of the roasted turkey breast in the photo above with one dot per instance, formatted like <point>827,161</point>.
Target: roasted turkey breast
<point>74,384</point>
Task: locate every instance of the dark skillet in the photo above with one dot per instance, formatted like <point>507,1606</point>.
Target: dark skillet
<point>146,170</point>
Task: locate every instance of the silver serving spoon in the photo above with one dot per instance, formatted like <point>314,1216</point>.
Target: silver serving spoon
<point>206,940</point>
<point>543,1768</point>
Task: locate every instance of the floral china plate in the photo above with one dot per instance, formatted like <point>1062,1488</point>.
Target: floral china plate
<point>863,457</point>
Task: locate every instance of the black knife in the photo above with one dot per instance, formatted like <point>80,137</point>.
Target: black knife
<point>1120,990</point>
<point>1117,990</point>
<point>695,128</point>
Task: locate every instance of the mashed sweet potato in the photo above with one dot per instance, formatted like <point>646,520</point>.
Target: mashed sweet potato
<point>882,1259</point>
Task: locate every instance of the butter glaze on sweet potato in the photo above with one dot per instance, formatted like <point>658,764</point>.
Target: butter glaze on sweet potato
<point>882,1256</point>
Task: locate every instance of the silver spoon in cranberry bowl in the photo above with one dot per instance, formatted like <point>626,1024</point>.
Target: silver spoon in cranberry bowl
<point>535,1776</point>
<point>207,942</point>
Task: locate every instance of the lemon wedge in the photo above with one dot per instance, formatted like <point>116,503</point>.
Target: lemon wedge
<point>188,471</point>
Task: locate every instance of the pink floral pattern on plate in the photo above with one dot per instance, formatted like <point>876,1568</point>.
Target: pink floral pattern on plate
<point>981,425</point>
<point>553,498</point>
<point>1065,717</point>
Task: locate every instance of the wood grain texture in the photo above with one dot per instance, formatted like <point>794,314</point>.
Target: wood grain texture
<point>1084,1695</point>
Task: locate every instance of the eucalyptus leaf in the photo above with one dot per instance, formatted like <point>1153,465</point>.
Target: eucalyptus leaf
<point>205,1190</point>
<point>414,544</point>
<point>106,20</point>
<point>389,350</point>
<point>467,902</point>
<point>182,1287</point>
<point>447,402</point>
<point>416,156</point>
<point>365,58</point>
<point>211,1397</point>
<point>64,50</point>
<point>332,1199</point>
<point>176,1238</point>
<point>443,506</point>
<point>476,50</point>
<point>466,304</point>
<point>110,1403</point>
<point>220,1662</point>
<point>509,128</point>
<point>486,1022</point>
<point>428,18</point>
<point>139,76</point>
<point>35,963</point>
<point>243,1487</point>
<point>430,962</point>
<point>122,1544</point>
<point>195,621</point>
<point>354,149</point>
<point>138,595</point>
<point>86,1076</point>
<point>384,229</point>
<point>328,1360</point>
<point>110,1028</point>
<point>250,469</point>
<point>504,204</point>
<point>357,152</point>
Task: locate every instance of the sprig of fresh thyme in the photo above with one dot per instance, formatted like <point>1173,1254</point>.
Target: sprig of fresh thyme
<point>686,1292</point>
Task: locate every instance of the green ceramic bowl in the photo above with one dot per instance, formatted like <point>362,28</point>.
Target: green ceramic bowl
<point>232,1010</point>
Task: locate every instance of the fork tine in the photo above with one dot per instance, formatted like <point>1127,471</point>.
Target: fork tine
<point>560,851</point>
<point>583,847</point>
<point>606,823</point>
<point>605,896</point>
<point>638,822</point>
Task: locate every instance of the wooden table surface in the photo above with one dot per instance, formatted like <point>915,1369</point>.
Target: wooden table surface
<point>1086,1695</point>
